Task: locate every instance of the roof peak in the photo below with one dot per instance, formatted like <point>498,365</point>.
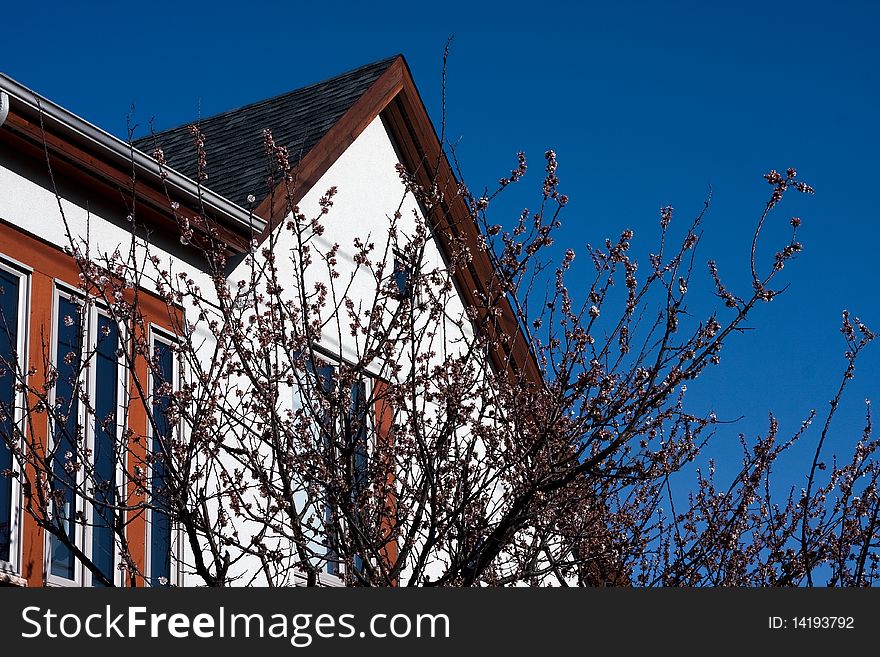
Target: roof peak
<point>380,64</point>
<point>234,142</point>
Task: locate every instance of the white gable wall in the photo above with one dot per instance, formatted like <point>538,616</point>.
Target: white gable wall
<point>369,193</point>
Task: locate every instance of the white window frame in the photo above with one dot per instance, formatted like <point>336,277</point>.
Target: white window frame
<point>176,574</point>
<point>63,290</point>
<point>90,344</point>
<point>83,537</point>
<point>24,274</point>
<point>325,578</point>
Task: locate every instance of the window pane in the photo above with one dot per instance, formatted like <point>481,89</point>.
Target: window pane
<point>160,523</point>
<point>64,454</point>
<point>324,385</point>
<point>325,378</point>
<point>9,288</point>
<point>402,274</point>
<point>106,378</point>
<point>358,437</point>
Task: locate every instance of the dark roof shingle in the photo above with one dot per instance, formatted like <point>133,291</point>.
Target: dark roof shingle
<point>236,161</point>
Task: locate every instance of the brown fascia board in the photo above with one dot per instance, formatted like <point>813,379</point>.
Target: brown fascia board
<point>452,220</point>
<point>394,97</point>
<point>71,162</point>
<point>69,145</point>
<point>306,174</point>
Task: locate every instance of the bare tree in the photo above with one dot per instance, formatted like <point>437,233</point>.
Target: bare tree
<point>416,455</point>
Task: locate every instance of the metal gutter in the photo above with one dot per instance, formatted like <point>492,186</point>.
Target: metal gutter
<point>84,133</point>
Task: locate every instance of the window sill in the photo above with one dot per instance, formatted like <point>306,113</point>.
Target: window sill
<point>8,579</point>
<point>324,579</point>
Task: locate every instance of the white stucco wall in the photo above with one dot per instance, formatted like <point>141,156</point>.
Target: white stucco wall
<point>369,193</point>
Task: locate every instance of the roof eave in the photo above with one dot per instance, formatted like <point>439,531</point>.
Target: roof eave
<point>112,149</point>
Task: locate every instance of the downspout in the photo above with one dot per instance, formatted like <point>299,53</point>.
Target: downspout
<point>4,107</point>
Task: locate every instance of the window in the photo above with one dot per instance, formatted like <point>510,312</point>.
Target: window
<point>65,439</point>
<point>354,460</point>
<point>79,442</point>
<point>87,355</point>
<point>13,288</point>
<point>105,430</point>
<point>345,440</point>
<point>159,543</point>
<point>324,380</point>
<point>402,275</point>
<point>356,435</point>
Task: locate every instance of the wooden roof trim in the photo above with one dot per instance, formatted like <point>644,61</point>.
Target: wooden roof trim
<point>111,181</point>
<point>333,144</point>
<point>416,137</point>
<point>395,96</point>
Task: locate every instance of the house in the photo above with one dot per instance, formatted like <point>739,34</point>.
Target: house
<point>67,187</point>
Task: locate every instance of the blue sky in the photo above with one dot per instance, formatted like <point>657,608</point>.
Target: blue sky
<point>646,104</point>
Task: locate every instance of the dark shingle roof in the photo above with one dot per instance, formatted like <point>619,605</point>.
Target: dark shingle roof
<point>236,160</point>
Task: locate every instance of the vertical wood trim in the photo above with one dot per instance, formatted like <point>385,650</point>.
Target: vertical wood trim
<point>384,435</point>
<point>37,432</point>
<point>136,466</point>
<point>306,174</point>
